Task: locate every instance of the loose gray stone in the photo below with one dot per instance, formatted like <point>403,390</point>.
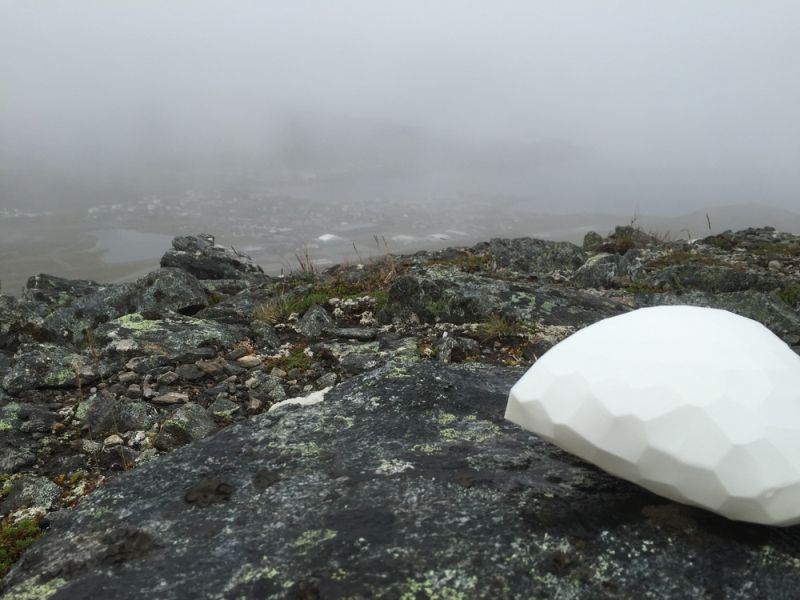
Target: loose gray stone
<point>30,491</point>
<point>249,361</point>
<point>104,413</point>
<point>222,408</point>
<point>200,256</point>
<point>46,366</point>
<point>189,372</point>
<point>188,423</point>
<point>327,380</point>
<point>454,349</point>
<point>592,241</point>
<point>265,387</point>
<point>171,398</point>
<point>315,320</point>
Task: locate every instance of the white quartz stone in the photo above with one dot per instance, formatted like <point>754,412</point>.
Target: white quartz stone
<point>695,404</point>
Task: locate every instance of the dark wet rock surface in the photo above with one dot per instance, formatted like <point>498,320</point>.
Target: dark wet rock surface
<point>404,481</point>
<point>134,419</point>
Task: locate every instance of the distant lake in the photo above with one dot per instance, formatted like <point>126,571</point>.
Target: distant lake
<point>127,245</point>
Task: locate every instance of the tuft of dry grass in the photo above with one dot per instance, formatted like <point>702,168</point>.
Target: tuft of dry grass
<point>497,327</point>
<point>305,261</point>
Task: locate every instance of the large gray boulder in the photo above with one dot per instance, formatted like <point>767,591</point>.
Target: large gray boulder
<point>176,337</point>
<point>19,321</point>
<point>712,279</point>
<point>203,258</point>
<point>58,291</point>
<point>403,483</point>
<point>441,294</point>
<point>47,366</point>
<point>536,257</point>
<point>159,293</point>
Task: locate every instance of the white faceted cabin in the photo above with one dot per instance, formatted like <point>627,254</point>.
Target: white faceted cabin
<point>699,405</point>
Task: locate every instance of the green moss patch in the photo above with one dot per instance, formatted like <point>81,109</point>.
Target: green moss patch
<point>14,540</point>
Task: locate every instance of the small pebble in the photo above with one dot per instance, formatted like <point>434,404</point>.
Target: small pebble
<point>249,361</point>
<point>113,440</point>
<point>167,378</point>
<point>128,377</point>
<point>171,398</point>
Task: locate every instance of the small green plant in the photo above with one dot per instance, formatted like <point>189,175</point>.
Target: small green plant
<point>469,263</point>
<point>381,299</point>
<point>497,327</point>
<point>320,296</point>
<point>375,284</point>
<point>214,298</point>
<point>790,295</point>
<point>279,308</point>
<point>637,287</point>
<point>14,540</point>
<point>296,359</point>
<point>683,257</point>
<point>5,485</point>
<point>425,348</point>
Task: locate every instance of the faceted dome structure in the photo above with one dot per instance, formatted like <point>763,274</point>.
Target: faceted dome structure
<point>695,404</point>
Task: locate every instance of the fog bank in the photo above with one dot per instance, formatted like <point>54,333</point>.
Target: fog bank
<point>574,106</point>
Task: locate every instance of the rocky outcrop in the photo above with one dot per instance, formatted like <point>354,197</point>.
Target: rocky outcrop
<point>428,295</point>
<point>404,482</point>
<point>200,256</point>
<point>98,380</point>
<point>57,291</point>
<point>175,337</point>
<point>46,366</point>
<point>606,270</point>
<point>536,257</point>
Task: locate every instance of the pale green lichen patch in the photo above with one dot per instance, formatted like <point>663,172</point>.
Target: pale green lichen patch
<point>97,512</point>
<point>248,574</point>
<point>393,466</point>
<point>137,322</point>
<point>301,449</point>
<point>31,590</point>
<point>448,584</point>
<point>10,410</point>
<point>83,409</point>
<point>426,448</point>
<point>395,372</point>
<point>5,425</point>
<point>342,421</point>
<point>314,537</point>
<point>5,490</point>
<point>446,418</point>
<point>522,299</point>
<point>61,377</point>
<point>469,429</point>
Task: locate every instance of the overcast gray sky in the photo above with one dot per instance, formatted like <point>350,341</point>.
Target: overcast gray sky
<point>580,104</point>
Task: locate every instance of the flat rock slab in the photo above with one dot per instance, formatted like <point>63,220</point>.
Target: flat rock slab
<point>405,482</point>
